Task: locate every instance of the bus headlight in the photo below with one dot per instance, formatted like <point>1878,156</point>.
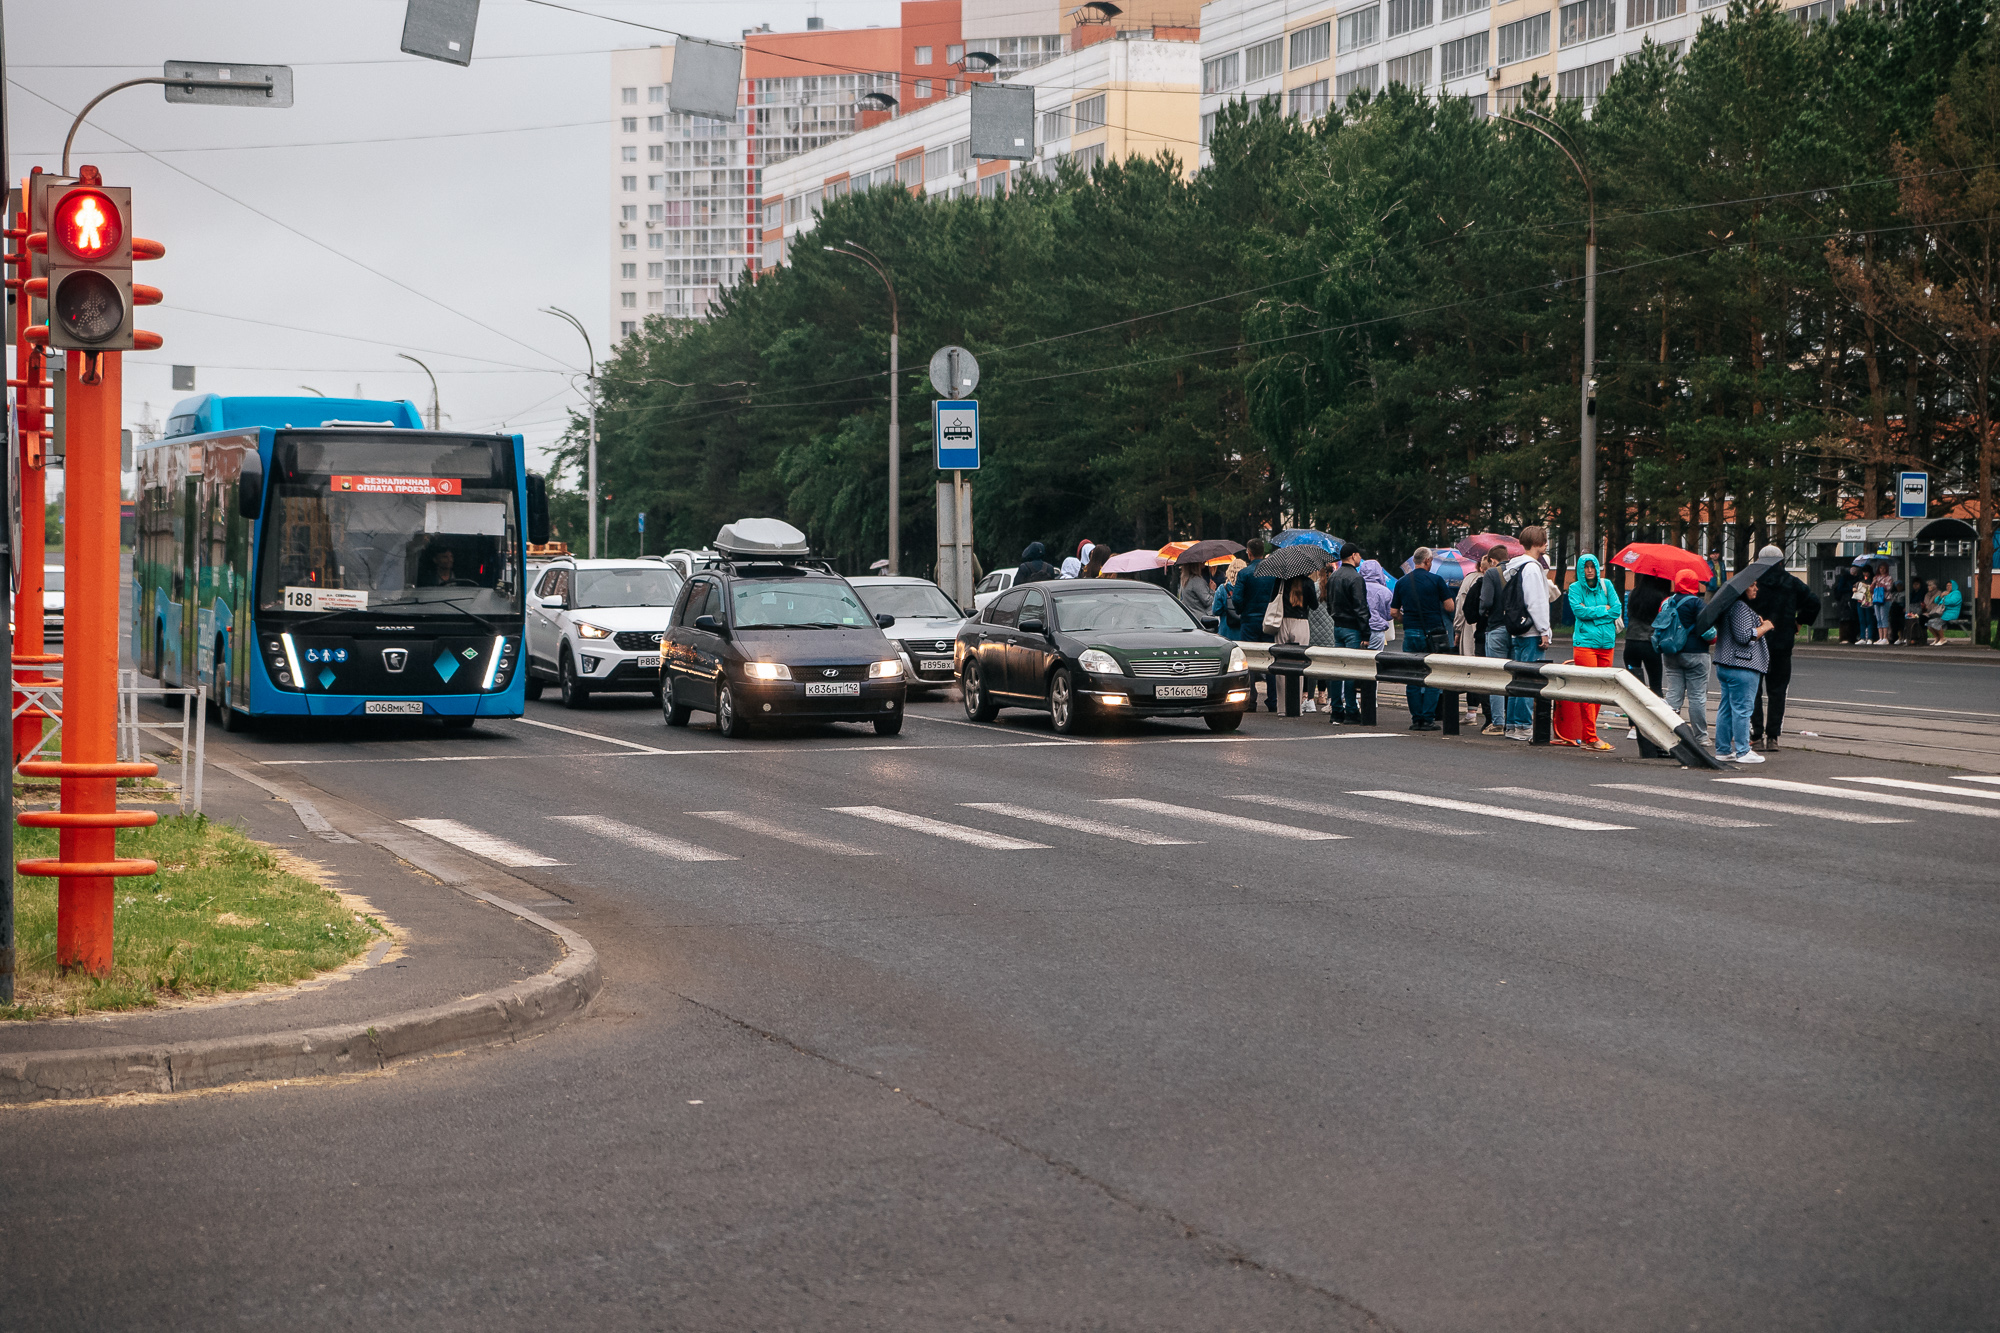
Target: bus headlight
<point>889,670</point>
<point>767,671</point>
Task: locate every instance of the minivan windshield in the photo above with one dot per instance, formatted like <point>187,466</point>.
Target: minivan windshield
<point>805,604</point>
<point>1134,608</point>
<point>641,585</point>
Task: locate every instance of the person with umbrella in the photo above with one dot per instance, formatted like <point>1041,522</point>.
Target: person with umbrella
<point>1423,602</point>
<point>1741,659</point>
<point>1252,597</point>
<point>1347,598</point>
<point>1286,574</point>
<point>1790,605</point>
<point>1522,637</point>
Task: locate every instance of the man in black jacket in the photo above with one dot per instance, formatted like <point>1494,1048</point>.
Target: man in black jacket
<point>1034,569</point>
<point>1347,603</point>
<point>1788,603</point>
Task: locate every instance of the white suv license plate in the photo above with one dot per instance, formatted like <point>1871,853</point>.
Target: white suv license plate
<point>399,706</point>
<point>1180,691</point>
<point>934,664</point>
<point>647,663</point>
<point>820,689</point>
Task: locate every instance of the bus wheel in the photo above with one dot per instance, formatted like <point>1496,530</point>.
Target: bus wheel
<point>533,687</point>
<point>156,665</point>
<point>225,691</point>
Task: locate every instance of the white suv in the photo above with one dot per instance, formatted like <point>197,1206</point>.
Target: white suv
<point>596,625</point>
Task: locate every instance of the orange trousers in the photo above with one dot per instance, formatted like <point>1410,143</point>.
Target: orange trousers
<point>1577,722</point>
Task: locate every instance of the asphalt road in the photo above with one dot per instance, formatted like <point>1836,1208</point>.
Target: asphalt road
<point>1236,1048</point>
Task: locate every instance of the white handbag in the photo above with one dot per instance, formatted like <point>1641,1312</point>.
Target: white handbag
<point>1274,614</point>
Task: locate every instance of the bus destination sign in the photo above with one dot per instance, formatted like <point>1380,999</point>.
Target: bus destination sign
<point>398,485</point>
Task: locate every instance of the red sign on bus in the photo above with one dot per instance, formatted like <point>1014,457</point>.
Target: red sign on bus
<point>398,485</point>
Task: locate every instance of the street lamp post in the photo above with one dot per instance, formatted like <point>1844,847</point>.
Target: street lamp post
<point>590,518</point>
<point>869,258</point>
<point>1587,459</point>
<point>434,385</point>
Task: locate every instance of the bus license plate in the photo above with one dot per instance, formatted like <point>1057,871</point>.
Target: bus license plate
<point>401,706</point>
<point>933,664</point>
<point>647,663</point>
<point>821,689</point>
<point>1180,691</point>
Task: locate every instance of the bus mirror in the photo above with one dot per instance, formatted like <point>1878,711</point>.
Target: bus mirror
<point>250,487</point>
<point>538,508</point>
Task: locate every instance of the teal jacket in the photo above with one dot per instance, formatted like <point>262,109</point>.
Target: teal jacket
<point>1596,606</point>
<point>1949,603</point>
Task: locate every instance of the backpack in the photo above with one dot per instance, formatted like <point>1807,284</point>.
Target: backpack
<point>1670,632</point>
<point>1514,604</point>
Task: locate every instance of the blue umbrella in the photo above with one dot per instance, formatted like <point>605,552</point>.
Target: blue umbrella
<point>1447,565</point>
<point>1307,537</point>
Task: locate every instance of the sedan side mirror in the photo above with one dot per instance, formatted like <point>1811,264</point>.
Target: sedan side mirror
<point>1213,624</point>
<point>711,625</point>
<point>885,621</point>
<point>1032,626</point>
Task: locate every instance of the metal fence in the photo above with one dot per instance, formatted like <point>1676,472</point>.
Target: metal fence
<point>180,743</point>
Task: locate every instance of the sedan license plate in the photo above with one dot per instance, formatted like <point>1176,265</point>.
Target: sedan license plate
<point>410,706</point>
<point>1180,691</point>
<point>821,689</point>
<point>647,663</point>
<point>934,664</point>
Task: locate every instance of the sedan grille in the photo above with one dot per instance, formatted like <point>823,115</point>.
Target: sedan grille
<point>639,640</point>
<point>1179,667</point>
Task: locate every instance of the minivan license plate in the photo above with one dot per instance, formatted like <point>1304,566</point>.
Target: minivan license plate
<point>818,689</point>
<point>1180,691</point>
<point>393,706</point>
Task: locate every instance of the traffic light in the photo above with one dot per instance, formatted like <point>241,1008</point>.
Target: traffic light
<point>90,269</point>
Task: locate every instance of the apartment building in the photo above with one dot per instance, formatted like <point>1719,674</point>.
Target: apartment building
<point>1131,93</point>
<point>1312,55</point>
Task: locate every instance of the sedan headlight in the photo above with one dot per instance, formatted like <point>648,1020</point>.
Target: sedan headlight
<point>767,671</point>
<point>1100,663</point>
<point>591,631</point>
<point>1237,661</point>
<point>888,670</point>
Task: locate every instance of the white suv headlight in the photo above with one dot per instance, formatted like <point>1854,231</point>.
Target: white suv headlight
<point>767,671</point>
<point>591,631</point>
<point>1237,661</point>
<point>1100,663</point>
<point>888,670</point>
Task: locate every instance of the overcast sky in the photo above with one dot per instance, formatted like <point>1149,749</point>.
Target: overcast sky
<point>480,229</point>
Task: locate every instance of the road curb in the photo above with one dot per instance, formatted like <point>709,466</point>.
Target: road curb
<point>509,1014</point>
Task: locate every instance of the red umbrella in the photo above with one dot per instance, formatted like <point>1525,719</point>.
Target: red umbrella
<point>1474,548</point>
<point>1662,561</point>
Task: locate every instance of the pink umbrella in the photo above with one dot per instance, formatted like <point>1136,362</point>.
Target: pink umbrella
<point>1130,562</point>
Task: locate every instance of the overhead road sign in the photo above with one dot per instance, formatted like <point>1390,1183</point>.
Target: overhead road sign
<point>440,29</point>
<point>1003,121</point>
<point>954,372</point>
<point>955,434</point>
<point>706,78</point>
<point>208,83</point>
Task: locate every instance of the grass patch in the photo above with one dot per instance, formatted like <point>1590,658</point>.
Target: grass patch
<point>223,914</point>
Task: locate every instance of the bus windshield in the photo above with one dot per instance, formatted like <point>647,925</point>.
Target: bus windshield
<point>409,526</point>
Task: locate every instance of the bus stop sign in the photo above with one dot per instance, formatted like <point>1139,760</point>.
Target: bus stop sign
<point>955,434</point>
<point>1913,495</point>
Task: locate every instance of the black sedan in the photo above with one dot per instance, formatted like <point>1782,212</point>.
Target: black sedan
<point>1088,649</point>
<point>779,643</point>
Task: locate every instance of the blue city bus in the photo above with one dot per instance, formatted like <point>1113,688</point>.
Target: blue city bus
<point>329,557</point>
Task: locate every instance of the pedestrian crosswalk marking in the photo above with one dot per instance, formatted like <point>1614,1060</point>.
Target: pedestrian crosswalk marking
<point>1497,812</point>
<point>1625,807</point>
<point>479,844</point>
<point>937,828</point>
<point>1982,777</point>
<point>1360,816</point>
<point>1746,803</point>
<point>1078,824</point>
<point>1904,784</point>
<point>674,849</point>
<point>770,828</point>
<point>1874,798</point>
<point>1240,823</point>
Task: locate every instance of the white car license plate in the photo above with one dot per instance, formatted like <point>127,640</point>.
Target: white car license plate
<point>820,689</point>
<point>647,663</point>
<point>410,706</point>
<point>934,664</point>
<point>1180,691</point>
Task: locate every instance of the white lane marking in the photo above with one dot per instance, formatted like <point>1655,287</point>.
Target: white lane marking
<point>1077,823</point>
<point>1874,798</point>
<point>588,735</point>
<point>1964,777</point>
<point>767,828</point>
<point>479,844</point>
<point>1497,812</point>
<point>1904,784</point>
<point>1626,808</point>
<point>1745,803</point>
<point>1861,691</point>
<point>937,828</point>
<point>736,752</point>
<point>1898,708</point>
<point>1241,823</point>
<point>983,726</point>
<point>1362,816</point>
<point>674,849</point>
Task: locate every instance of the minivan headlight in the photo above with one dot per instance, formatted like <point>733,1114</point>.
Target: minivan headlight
<point>888,670</point>
<point>1100,663</point>
<point>767,671</point>
<point>591,631</point>
<point>1237,661</point>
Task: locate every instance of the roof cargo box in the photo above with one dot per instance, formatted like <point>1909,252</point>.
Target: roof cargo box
<point>761,536</point>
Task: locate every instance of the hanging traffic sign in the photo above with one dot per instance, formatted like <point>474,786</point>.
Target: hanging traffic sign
<point>1913,495</point>
<point>955,434</point>
<point>954,373</point>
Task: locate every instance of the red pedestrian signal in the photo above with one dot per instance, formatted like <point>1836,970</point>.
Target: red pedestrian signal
<point>87,224</point>
<point>90,267</point>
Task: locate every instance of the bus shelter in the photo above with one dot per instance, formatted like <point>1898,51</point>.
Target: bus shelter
<point>1933,549</point>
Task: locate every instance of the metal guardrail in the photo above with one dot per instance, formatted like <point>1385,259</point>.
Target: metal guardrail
<point>1660,728</point>
<point>183,742</point>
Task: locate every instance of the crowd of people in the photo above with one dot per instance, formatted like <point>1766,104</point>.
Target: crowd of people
<point>1876,611</point>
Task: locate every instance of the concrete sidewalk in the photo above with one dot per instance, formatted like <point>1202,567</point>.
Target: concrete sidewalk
<point>477,958</point>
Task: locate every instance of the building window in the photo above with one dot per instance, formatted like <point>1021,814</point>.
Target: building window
<point>1354,81</point>
<point>961,155</point>
<point>1361,28</point>
<point>626,328</point>
<point>954,54</point>
<point>629,184</point>
<point>655,212</point>
<point>1309,45</point>
<point>1207,128</point>
<point>1309,102</point>
<point>1464,58</point>
<point>1588,19</point>
<point>951,87</point>
<point>910,170</point>
<point>795,208</point>
<point>1220,74</point>
<point>653,271</point>
<point>628,241</point>
<point>1408,16</point>
<point>1090,114</point>
<point>628,212</point>
<point>1451,9</point>
<point>654,182</point>
<point>1055,125</point>
<point>628,271</point>
<point>1523,40</point>
<point>628,300</point>
<point>1508,100</point>
<point>1264,60</point>
<point>937,163</point>
<point>630,124</point>
<point>656,124</point>
<point>1087,159</point>
<point>923,55</point>
<point>629,96</point>
<point>1413,71</point>
<point>656,93</point>
<point>923,89</point>
<point>629,153</point>
<point>1641,12</point>
<point>655,240</point>
<point>654,300</point>
<point>1585,85</point>
<point>656,152</point>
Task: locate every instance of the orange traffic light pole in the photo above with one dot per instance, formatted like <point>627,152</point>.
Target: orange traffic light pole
<point>32,382</point>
